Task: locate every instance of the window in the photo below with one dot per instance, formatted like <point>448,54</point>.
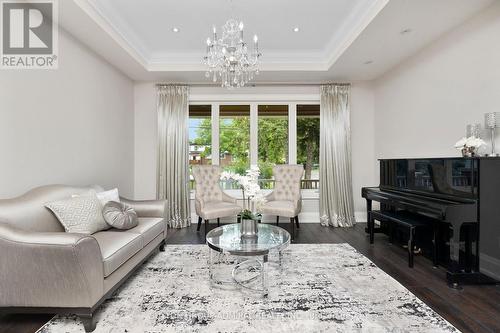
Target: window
<point>283,134</point>
<point>308,143</point>
<point>200,136</point>
<point>272,140</point>
<point>234,138</point>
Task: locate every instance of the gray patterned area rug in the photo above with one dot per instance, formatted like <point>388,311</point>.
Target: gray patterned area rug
<point>319,288</point>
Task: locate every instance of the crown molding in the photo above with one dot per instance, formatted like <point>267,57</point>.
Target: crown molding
<point>134,48</point>
<point>359,19</point>
<point>294,60</point>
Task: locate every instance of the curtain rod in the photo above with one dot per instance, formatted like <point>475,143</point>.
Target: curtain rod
<point>252,85</point>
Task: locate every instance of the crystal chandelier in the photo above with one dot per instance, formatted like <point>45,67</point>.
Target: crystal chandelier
<point>229,58</point>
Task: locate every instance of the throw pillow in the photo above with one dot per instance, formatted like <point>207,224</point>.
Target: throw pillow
<point>82,214</point>
<point>119,215</point>
<point>106,196</point>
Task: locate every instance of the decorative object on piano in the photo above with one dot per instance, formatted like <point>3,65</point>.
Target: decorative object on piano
<point>492,122</point>
<point>473,130</point>
<point>469,146</point>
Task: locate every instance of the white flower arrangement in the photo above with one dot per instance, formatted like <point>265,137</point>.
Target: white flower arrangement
<point>470,142</point>
<point>249,183</point>
<point>469,146</point>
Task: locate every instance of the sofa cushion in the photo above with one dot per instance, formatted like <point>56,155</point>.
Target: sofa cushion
<point>212,210</point>
<point>280,208</point>
<point>149,228</point>
<point>117,247</point>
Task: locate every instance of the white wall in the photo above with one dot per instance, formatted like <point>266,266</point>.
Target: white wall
<point>73,125</point>
<point>423,105</point>
<point>145,128</point>
<point>362,124</point>
<point>364,162</point>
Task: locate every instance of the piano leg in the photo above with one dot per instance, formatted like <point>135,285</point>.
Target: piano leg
<point>454,266</point>
<point>468,250</point>
<point>411,243</point>
<point>370,220</point>
<point>435,240</point>
<point>391,233</point>
<point>457,275</point>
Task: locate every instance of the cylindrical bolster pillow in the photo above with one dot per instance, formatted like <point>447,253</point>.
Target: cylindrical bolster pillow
<point>119,215</point>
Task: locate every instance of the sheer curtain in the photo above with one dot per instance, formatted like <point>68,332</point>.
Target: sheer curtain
<point>173,153</point>
<point>335,177</point>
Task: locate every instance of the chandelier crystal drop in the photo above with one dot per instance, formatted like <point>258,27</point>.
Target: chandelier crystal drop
<point>229,58</point>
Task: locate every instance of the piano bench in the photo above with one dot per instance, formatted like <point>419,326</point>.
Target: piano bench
<point>412,222</point>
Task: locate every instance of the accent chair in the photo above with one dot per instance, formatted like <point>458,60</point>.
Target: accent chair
<point>286,198</point>
<point>210,201</point>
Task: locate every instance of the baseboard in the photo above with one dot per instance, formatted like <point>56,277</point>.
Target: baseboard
<point>489,266</point>
<point>360,217</point>
<point>304,217</point>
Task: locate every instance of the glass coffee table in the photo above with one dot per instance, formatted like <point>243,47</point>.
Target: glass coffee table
<point>253,253</point>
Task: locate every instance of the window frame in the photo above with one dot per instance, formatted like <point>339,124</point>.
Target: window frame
<point>254,101</point>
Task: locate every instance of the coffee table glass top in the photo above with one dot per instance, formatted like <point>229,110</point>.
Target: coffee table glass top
<point>227,239</point>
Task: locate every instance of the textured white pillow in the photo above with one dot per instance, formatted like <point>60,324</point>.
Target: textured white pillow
<point>107,196</point>
<point>104,197</point>
<point>81,214</point>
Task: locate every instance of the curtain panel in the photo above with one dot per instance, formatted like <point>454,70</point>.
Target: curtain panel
<point>173,153</point>
<point>335,178</point>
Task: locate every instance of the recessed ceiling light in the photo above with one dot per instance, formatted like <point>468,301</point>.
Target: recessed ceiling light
<point>296,29</point>
<point>174,29</point>
<point>368,62</point>
<point>405,31</point>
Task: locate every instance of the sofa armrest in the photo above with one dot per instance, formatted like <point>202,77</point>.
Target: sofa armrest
<point>49,269</point>
<point>147,208</point>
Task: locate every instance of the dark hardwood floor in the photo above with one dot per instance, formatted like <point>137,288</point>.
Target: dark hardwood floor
<point>472,309</point>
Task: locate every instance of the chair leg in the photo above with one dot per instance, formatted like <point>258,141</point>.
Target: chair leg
<point>277,220</point>
<point>206,227</point>
<point>199,223</point>
<point>292,222</point>
<point>297,221</point>
<point>218,221</point>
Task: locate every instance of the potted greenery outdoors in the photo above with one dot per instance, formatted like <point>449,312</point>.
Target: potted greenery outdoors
<point>253,199</point>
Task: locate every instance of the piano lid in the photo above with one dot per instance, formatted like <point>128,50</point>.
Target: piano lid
<point>439,177</point>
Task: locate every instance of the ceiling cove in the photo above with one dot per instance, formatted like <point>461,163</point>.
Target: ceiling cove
<point>126,21</point>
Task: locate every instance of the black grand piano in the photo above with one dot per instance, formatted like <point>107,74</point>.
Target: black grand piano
<point>460,194</point>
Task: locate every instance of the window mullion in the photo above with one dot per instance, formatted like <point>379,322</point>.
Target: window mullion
<point>292,133</point>
<point>254,135</point>
<point>215,134</point>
